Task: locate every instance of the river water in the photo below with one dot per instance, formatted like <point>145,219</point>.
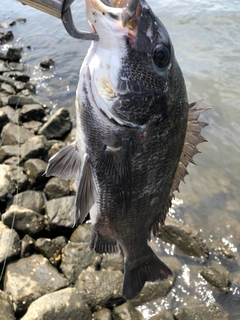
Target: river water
<point>206,37</point>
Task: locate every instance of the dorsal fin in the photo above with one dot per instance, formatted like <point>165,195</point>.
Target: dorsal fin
<point>192,139</point>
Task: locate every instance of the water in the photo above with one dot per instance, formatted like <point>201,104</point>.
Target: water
<point>206,37</point>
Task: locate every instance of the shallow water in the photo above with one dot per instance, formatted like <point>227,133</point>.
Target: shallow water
<point>206,37</point>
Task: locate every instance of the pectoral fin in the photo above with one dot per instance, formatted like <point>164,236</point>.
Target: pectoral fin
<point>86,192</point>
<point>66,163</point>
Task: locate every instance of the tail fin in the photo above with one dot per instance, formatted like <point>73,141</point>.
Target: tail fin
<point>149,268</point>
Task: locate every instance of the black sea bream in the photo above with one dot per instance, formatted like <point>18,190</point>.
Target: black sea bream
<point>136,134</point>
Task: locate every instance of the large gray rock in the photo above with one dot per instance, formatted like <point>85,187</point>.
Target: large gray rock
<point>10,112</point>
<point>203,312</point>
<point>34,147</point>
<point>58,125</point>
<point>82,233</point>
<point>112,261</point>
<point>65,304</point>
<point>11,178</point>
<point>6,307</point>
<point>33,125</point>
<point>35,169</point>
<point>20,100</point>
<point>14,53</point>
<point>100,287</point>
<point>77,257</point>
<point>13,134</point>
<point>103,314</point>
<point>7,88</point>
<point>26,221</point>
<point>217,276</point>
<point>32,112</point>
<point>56,188</point>
<point>60,213</point>
<point>30,199</point>
<point>183,237</point>
<point>17,76</point>
<point>126,311</point>
<point>9,245</point>
<point>30,278</point>
<point>8,152</point>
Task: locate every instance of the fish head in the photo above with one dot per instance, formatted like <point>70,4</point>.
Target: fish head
<point>133,63</point>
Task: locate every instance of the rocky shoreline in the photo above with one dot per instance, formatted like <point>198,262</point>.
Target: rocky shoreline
<point>47,270</point>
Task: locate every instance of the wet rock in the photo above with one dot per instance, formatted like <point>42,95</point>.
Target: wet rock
<point>11,178</point>
<point>9,151</point>
<point>100,287</point>
<point>9,244</point>
<point>58,125</point>
<point>33,125</point>
<point>112,262</point>
<point>13,134</point>
<point>64,304</point>
<point>6,307</point>
<point>14,54</point>
<point>3,119</point>
<point>164,315</point>
<point>30,87</point>
<point>7,88</point>
<point>30,278</point>
<point>126,311</point>
<point>32,112</point>
<point>56,188</point>
<point>17,76</point>
<point>34,147</point>
<point>55,147</point>
<point>20,100</point>
<point>26,221</point>
<point>3,67</point>
<point>49,249</point>
<point>213,312</point>
<point>82,233</point>
<point>6,37</point>
<point>30,199</point>
<point>183,237</point>
<point>47,63</point>
<point>77,257</point>
<point>3,56</point>
<point>27,246</point>
<point>61,213</point>
<point>217,276</point>
<point>103,314</point>
<point>35,169</point>
<point>16,66</point>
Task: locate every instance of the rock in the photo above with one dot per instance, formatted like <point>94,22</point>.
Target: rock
<point>49,249</point>
<point>60,242</point>
<point>33,125</point>
<point>13,134</point>
<point>213,312</point>
<point>7,88</point>
<point>30,199</point>
<point>164,315</point>
<point>77,257</point>
<point>13,161</point>
<point>30,87</point>
<point>3,56</point>
<point>9,245</point>
<point>34,147</point>
<point>103,314</point>
<point>58,125</point>
<point>183,237</point>
<point>47,63</point>
<point>112,262</point>
<point>126,311</point>
<point>30,278</point>
<point>56,188</point>
<point>65,304</point>
<point>6,307</point>
<point>27,246</point>
<point>3,119</point>
<point>20,100</point>
<point>16,66</point>
<point>82,233</point>
<point>26,221</point>
<point>6,37</point>
<point>19,86</point>
<point>10,112</point>
<point>55,147</point>
<point>32,112</point>
<point>11,178</point>
<point>3,67</point>
<point>14,54</point>
<point>100,287</point>
<point>61,213</point>
<point>8,152</point>
<point>217,276</point>
<point>35,169</point>
<point>17,76</point>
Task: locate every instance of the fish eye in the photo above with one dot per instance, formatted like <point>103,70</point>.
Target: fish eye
<point>161,55</point>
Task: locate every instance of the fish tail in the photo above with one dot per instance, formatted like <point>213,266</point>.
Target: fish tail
<point>148,268</point>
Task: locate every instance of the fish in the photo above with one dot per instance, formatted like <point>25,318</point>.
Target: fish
<point>136,135</point>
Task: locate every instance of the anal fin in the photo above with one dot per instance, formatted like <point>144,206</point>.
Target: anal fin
<point>86,192</point>
<point>102,245</point>
<point>66,163</point>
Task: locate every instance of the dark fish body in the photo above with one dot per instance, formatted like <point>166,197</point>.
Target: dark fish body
<point>136,135</point>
